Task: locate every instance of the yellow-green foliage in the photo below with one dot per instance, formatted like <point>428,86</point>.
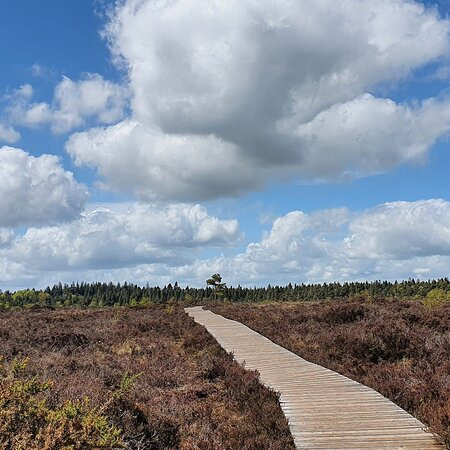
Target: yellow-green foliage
<point>436,298</point>
<point>146,301</point>
<point>128,347</point>
<point>171,306</point>
<point>28,422</point>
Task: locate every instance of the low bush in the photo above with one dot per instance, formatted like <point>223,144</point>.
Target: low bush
<point>189,393</point>
<point>28,422</point>
<point>436,298</point>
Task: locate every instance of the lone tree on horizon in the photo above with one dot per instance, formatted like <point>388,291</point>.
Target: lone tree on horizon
<point>216,283</point>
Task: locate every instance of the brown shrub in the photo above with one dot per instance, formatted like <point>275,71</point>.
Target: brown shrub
<point>27,422</point>
<point>190,395</point>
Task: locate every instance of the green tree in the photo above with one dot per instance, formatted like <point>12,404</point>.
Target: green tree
<point>218,287</point>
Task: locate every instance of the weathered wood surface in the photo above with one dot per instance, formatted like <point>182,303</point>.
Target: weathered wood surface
<point>325,410</point>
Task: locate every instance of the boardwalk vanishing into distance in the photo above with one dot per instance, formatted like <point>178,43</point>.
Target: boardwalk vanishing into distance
<point>325,409</point>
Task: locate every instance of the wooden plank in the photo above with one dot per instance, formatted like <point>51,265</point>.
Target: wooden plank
<point>325,410</point>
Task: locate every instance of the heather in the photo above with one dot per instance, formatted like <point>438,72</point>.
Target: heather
<point>136,378</point>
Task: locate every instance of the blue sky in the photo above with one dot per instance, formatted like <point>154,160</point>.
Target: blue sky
<point>64,40</point>
<point>252,129</point>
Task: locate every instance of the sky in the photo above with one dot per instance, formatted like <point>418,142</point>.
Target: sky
<point>270,141</point>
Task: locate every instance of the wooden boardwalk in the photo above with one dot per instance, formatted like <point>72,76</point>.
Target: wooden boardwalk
<point>325,410</point>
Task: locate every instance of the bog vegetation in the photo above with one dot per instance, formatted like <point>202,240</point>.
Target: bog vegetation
<point>127,378</point>
<point>74,374</point>
<point>398,347</point>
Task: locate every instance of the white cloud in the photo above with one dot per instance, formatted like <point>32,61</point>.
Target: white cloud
<point>122,235</point>
<point>25,92</point>
<point>369,135</point>
<point>275,48</point>
<point>363,136</point>
<point>398,239</point>
<point>36,190</point>
<point>158,244</point>
<point>131,156</point>
<point>6,236</point>
<point>401,230</point>
<point>8,134</point>
<point>74,102</point>
<point>227,95</point>
<point>41,71</point>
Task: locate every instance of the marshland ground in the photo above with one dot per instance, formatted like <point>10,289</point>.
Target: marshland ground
<point>147,377</point>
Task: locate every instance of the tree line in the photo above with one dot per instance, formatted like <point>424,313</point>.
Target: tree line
<point>128,294</point>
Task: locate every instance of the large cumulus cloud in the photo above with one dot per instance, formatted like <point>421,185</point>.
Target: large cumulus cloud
<point>37,190</point>
<point>228,95</point>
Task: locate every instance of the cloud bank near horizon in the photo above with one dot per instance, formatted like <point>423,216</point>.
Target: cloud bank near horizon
<point>161,244</point>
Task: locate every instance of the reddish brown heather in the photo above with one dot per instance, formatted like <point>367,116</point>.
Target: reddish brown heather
<point>398,348</point>
<point>191,395</point>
